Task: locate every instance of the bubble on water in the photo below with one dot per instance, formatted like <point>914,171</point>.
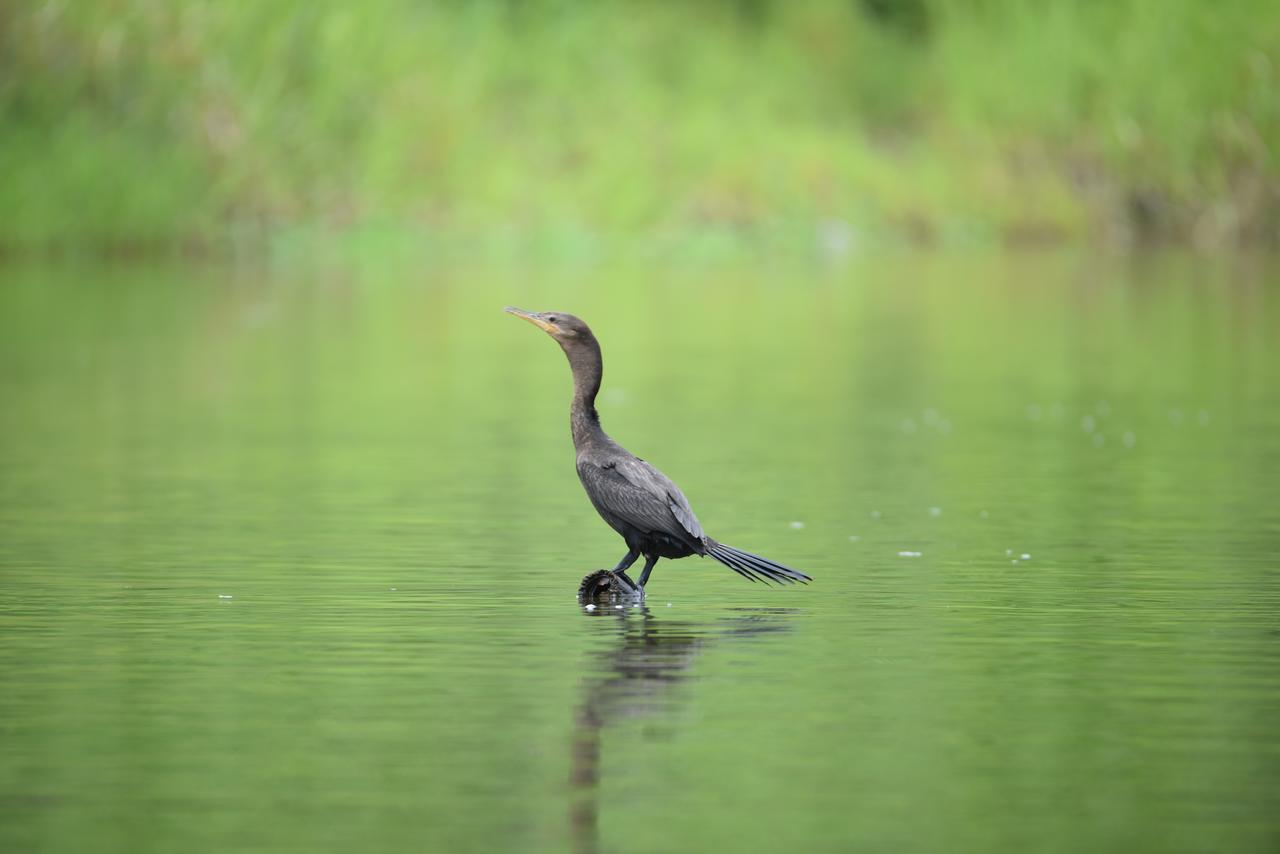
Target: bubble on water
<point>1129,439</point>
<point>910,554</point>
<point>875,514</point>
<point>1099,440</point>
<point>225,596</point>
<point>797,525</point>
<point>983,514</point>
<point>835,238</point>
<point>1033,411</point>
<point>1088,424</point>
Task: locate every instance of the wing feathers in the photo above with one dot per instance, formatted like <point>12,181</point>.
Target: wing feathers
<point>637,494</point>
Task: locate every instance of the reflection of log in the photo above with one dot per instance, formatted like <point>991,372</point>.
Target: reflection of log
<point>583,776</point>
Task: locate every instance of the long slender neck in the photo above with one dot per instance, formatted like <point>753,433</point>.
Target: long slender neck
<point>588,367</point>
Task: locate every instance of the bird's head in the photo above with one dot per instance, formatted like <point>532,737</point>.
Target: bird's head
<point>565,328</point>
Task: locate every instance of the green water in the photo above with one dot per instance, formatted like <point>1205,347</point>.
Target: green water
<point>288,560</point>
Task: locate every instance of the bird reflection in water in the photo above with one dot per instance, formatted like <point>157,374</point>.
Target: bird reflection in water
<point>635,679</point>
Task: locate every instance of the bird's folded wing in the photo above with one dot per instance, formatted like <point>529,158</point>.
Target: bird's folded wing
<point>637,492</point>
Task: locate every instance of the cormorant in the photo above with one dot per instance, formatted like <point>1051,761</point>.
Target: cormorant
<point>637,500</point>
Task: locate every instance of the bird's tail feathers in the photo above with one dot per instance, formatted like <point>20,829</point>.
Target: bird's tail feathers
<point>754,567</point>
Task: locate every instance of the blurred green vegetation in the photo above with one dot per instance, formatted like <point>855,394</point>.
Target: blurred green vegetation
<point>134,124</point>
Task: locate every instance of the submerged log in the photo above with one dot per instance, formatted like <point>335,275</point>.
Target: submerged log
<point>605,586</point>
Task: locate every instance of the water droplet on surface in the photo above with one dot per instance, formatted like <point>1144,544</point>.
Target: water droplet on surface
<point>835,238</point>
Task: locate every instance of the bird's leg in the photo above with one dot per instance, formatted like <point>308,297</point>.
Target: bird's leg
<point>649,561</point>
<point>621,569</point>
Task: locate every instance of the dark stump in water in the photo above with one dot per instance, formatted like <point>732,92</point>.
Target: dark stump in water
<point>604,586</point>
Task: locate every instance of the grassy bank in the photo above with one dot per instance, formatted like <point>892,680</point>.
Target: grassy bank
<point>134,124</point>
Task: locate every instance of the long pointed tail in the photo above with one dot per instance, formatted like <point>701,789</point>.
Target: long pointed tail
<point>754,567</point>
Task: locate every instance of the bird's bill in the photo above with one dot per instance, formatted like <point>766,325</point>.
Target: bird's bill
<point>532,317</point>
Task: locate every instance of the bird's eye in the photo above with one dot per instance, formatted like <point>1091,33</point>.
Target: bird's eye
<point>551,318</point>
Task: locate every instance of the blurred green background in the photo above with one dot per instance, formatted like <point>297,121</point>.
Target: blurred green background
<point>136,125</point>
<point>289,526</point>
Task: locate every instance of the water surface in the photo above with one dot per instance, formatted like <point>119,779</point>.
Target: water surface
<point>288,560</point>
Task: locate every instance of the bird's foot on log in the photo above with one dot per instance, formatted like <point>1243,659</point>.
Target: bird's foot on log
<point>606,586</point>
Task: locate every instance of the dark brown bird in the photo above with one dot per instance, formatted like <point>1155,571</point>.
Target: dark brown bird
<point>638,501</point>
